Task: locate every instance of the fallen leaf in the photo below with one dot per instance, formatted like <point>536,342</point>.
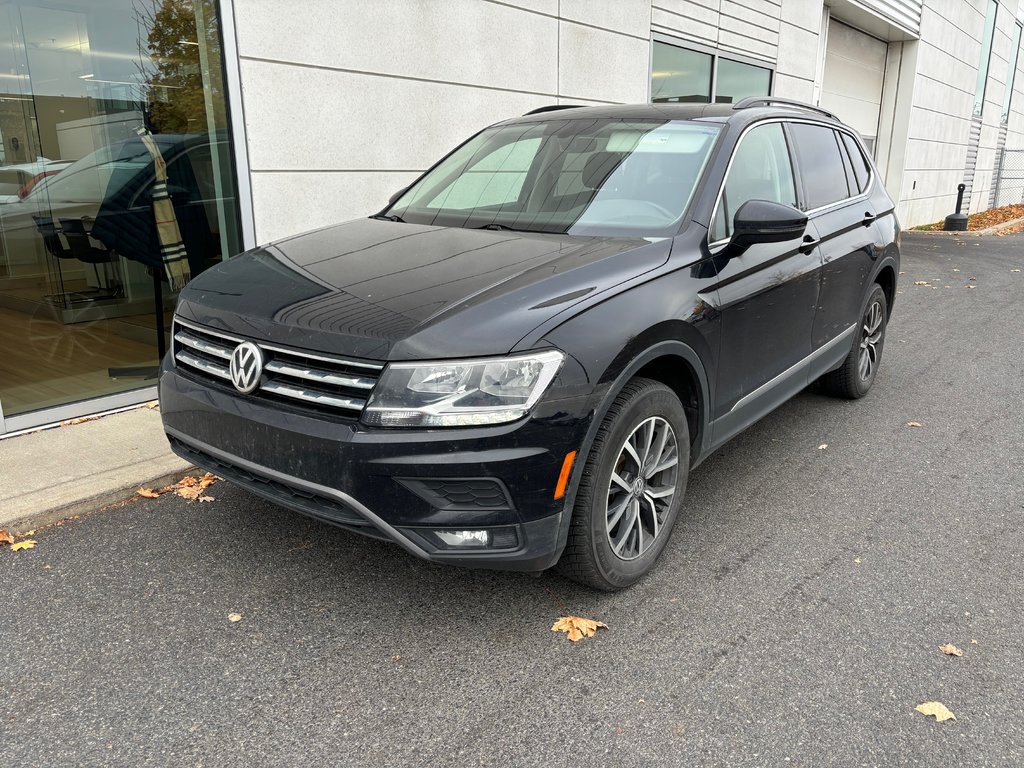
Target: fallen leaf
<point>6,538</point>
<point>1015,270</point>
<point>921,282</point>
<point>903,273</point>
<point>234,617</point>
<point>856,560</point>
<point>193,488</point>
<point>970,286</point>
<point>80,420</point>
<point>148,493</point>
<point>974,642</point>
<point>956,270</point>
<point>951,650</point>
<point>914,424</point>
<point>936,709</point>
<point>396,657</point>
<point>23,544</point>
<point>153,404</point>
<point>823,446</point>
<point>577,628</point>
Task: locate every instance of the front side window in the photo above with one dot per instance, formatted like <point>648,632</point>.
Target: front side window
<point>580,177</point>
<point>760,170</point>
<point>821,165</point>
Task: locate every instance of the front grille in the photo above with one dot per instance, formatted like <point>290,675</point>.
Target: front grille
<point>286,495</point>
<point>327,384</point>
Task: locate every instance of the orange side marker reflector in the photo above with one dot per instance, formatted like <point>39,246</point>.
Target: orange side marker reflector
<point>563,477</point>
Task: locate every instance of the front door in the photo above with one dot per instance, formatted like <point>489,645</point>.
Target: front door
<point>767,295</point>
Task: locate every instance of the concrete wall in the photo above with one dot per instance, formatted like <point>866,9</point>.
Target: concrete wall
<point>943,102</point>
<point>343,106</point>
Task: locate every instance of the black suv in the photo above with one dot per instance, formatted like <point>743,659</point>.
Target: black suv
<point>517,363</point>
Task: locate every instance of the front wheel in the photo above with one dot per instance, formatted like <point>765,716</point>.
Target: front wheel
<point>855,376</point>
<point>631,489</point>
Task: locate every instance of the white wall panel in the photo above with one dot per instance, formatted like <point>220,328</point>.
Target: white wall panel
<point>292,202</point>
<point>465,41</point>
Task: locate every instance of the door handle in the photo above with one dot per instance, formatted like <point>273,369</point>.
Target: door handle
<point>869,217</point>
<point>809,244</point>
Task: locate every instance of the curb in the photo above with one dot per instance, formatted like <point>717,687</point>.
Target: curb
<point>95,503</point>
<point>993,230</point>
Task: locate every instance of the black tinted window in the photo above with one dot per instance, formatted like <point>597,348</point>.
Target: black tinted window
<point>821,165</point>
<point>860,165</point>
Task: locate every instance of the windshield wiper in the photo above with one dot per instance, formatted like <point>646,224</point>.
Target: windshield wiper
<point>388,217</point>
<point>492,225</point>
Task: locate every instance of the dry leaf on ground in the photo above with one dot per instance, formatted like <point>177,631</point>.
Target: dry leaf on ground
<point>81,420</point>
<point>856,560</point>
<point>577,628</point>
<point>6,538</point>
<point>936,709</point>
<point>974,642</point>
<point>921,282</point>
<point>24,544</point>
<point>194,488</point>
<point>1015,270</point>
<point>148,493</point>
<point>970,286</point>
<point>823,446</point>
<point>914,424</point>
<point>234,617</point>
<point>951,650</point>
<point>152,404</point>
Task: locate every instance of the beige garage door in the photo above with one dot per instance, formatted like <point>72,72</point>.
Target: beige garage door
<point>852,83</point>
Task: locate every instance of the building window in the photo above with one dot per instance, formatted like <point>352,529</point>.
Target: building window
<point>116,186</point>
<point>685,76</point>
<point>1011,74</point>
<point>986,54</point>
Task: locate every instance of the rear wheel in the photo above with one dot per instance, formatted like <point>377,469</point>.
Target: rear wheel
<point>855,376</point>
<point>631,489</point>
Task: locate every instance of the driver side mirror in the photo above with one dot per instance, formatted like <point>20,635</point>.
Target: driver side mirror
<point>762,221</point>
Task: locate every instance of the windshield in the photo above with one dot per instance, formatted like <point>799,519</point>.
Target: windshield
<point>580,177</point>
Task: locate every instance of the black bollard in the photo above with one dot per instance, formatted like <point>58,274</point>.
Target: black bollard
<point>957,222</point>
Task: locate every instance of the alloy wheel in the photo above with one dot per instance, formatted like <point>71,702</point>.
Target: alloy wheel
<point>870,341</point>
<point>641,488</point>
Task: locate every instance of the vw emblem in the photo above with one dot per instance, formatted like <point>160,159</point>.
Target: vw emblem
<point>246,367</point>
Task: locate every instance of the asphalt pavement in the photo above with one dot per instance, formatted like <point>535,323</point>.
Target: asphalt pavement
<point>795,618</point>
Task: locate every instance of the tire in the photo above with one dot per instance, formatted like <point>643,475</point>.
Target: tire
<point>850,380</point>
<point>606,557</point>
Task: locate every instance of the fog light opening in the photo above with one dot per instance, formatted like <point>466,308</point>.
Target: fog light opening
<point>464,539</point>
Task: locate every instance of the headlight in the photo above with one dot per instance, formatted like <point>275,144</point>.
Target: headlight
<point>461,393</point>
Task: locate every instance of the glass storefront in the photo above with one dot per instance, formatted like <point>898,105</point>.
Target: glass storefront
<point>117,184</point>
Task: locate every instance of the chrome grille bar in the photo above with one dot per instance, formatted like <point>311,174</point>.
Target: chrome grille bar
<point>186,357</point>
<point>319,375</point>
<point>312,396</point>
<point>203,346</point>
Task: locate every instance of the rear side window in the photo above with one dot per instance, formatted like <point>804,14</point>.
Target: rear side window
<point>821,165</point>
<point>760,170</point>
<point>861,171</point>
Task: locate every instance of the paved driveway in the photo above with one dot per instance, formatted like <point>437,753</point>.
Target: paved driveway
<point>795,618</point>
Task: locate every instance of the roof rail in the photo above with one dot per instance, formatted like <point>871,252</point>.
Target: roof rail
<point>756,101</point>
<point>551,108</point>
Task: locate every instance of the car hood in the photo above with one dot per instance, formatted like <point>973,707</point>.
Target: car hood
<point>394,291</point>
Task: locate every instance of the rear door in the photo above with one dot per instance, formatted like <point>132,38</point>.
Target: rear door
<point>767,295</point>
<point>841,217</point>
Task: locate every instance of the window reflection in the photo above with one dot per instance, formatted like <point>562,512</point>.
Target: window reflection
<point>116,187</point>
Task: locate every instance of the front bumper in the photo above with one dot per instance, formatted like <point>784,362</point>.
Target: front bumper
<point>396,484</point>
